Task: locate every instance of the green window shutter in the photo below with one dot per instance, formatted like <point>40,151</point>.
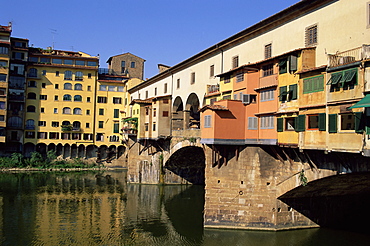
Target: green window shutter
<point>116,113</point>
<point>293,63</point>
<point>283,93</point>
<point>300,123</point>
<point>321,83</point>
<point>293,90</point>
<point>333,123</point>
<point>359,122</point>
<point>322,122</point>
<point>280,124</point>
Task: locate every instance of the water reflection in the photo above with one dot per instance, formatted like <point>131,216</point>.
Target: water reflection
<point>100,208</point>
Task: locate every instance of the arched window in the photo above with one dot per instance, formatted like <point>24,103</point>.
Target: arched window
<point>67,97</point>
<point>31,95</point>
<point>77,98</point>
<point>76,125</point>
<point>32,73</point>
<point>79,76</point>
<point>30,124</point>
<point>66,110</point>
<point>31,108</point>
<point>66,123</point>
<point>77,111</point>
<point>78,87</point>
<point>67,86</point>
<point>67,75</point>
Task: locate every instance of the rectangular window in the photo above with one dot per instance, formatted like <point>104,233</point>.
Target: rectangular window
<point>267,122</point>
<point>102,87</point>
<point>154,112</point>
<point>56,61</point>
<point>240,77</point>
<point>53,135</point>
<point>68,62</point>
<point>43,85</point>
<point>268,70</point>
<point>226,79</point>
<point>313,84</point>
<point>311,35</point>
<point>55,110</point>
<point>30,134</point>
<point>89,87</point>
<point>87,111</point>
<point>207,121</point>
<point>116,113</point>
<point>290,123</point>
<point>165,101</point>
<point>112,88</point>
<point>178,84</point>
<point>116,128</point>
<point>92,63</point>
<point>283,94</point>
<point>292,93</point>
<point>268,50</point>
<point>133,64</point>
<point>43,97</point>
<point>252,123</point>
<point>346,79</point>
<point>212,71</point>
<point>88,99</point>
<point>283,66</point>
<point>41,135</point>
<point>101,111</point>
<point>146,127</point>
<point>313,122</point>
<point>192,78</point>
<point>56,86</point>
<point>117,100</point>
<point>100,137</point>
<point>102,99</point>
<point>3,77</point>
<point>42,123</point>
<point>55,124</point>
<point>165,114</point>
<point>267,95</point>
<point>80,63</point>
<point>101,124</point>
<point>235,62</point>
<point>347,121</point>
<point>165,88</point>
<point>154,126</point>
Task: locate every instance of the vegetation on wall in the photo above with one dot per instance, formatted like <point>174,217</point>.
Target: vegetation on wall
<point>17,160</point>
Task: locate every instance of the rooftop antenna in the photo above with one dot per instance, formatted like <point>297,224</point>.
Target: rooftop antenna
<point>53,32</point>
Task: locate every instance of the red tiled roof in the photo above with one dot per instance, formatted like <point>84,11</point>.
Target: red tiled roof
<point>214,108</point>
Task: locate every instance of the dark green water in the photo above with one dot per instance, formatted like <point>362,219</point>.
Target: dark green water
<point>101,209</point>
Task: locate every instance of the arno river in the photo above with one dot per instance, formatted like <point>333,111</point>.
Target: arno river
<point>100,208</point>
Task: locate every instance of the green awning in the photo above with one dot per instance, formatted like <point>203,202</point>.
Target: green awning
<point>365,102</point>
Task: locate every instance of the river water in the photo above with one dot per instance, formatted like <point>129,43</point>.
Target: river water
<point>100,208</point>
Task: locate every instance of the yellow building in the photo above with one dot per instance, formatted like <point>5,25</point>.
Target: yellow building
<point>60,107</point>
<point>5,32</point>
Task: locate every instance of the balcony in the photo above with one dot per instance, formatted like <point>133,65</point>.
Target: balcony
<point>66,128</point>
<point>349,56</point>
<point>30,127</point>
<point>16,98</point>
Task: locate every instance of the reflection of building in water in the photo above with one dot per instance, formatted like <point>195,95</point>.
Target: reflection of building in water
<point>87,209</point>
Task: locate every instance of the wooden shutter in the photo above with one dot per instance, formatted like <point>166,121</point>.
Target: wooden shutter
<point>280,124</point>
<point>300,123</point>
<point>333,123</point>
<point>322,122</point>
<point>359,122</point>
<point>293,64</point>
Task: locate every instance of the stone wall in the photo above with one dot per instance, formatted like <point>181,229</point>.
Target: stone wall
<point>241,190</point>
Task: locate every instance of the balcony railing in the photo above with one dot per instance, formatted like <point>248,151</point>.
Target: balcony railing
<point>349,56</point>
<point>16,97</point>
<point>106,71</point>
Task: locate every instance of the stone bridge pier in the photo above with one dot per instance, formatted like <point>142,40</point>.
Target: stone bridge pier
<point>272,188</point>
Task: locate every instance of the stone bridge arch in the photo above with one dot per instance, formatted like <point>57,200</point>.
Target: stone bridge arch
<point>185,165</point>
<point>337,194</point>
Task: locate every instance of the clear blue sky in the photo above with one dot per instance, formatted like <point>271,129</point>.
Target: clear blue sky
<point>161,31</point>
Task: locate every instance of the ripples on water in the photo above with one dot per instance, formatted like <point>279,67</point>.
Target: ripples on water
<point>91,208</point>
